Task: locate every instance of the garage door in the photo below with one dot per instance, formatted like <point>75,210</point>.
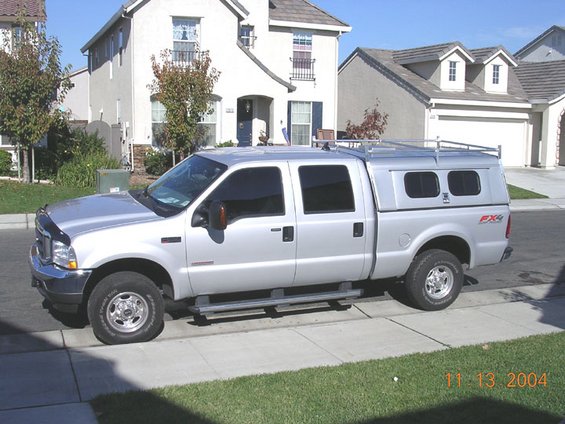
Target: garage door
<point>510,134</point>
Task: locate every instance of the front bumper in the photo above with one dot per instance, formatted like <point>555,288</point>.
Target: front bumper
<point>62,287</point>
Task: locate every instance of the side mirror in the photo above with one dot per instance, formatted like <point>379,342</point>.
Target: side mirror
<point>200,217</point>
<point>217,215</point>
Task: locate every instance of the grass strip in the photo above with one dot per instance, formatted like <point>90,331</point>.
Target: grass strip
<point>517,193</point>
<point>479,391</point>
<point>16,197</point>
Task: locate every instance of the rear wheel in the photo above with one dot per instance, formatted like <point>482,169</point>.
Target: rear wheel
<point>434,280</point>
<point>125,307</point>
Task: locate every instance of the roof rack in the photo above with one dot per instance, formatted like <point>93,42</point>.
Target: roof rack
<point>371,148</point>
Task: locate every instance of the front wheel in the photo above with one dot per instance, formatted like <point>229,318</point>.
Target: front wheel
<point>434,280</point>
<point>125,307</point>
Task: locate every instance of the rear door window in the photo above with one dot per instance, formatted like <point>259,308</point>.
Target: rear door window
<point>326,189</point>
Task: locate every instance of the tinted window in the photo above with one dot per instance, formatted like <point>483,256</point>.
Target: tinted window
<point>326,189</point>
<point>464,183</point>
<point>421,184</point>
<point>251,192</point>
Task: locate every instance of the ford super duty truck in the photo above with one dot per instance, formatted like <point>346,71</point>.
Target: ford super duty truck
<point>272,226</point>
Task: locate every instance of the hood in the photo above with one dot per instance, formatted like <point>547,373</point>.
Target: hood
<point>89,213</point>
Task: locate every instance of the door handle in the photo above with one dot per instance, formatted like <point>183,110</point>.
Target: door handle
<point>358,229</point>
<point>288,234</point>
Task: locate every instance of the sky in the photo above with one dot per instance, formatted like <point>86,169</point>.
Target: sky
<point>383,24</point>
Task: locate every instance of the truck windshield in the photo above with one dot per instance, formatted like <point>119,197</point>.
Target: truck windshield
<point>177,188</point>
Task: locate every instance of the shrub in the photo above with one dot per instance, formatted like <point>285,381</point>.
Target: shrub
<point>228,143</point>
<point>5,162</point>
<point>157,162</point>
<point>81,170</point>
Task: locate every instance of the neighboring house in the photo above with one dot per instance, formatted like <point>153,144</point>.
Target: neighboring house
<point>278,62</point>
<point>9,32</point>
<point>76,100</point>
<point>541,72</point>
<point>546,47</point>
<point>444,91</point>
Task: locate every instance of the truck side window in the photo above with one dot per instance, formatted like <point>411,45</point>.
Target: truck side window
<point>252,192</point>
<point>421,184</point>
<point>326,189</point>
<point>464,183</point>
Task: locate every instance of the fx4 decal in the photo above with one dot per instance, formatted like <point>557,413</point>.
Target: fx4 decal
<point>491,219</point>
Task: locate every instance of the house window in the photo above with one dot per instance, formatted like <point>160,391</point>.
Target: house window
<point>111,57</point>
<point>496,74</point>
<point>185,39</point>
<point>208,123</point>
<point>158,119</point>
<point>16,36</point>
<point>304,119</point>
<point>452,71</point>
<point>120,46</point>
<point>301,119</point>
<point>247,35</point>
<point>302,62</point>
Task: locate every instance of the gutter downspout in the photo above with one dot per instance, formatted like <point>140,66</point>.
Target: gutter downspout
<point>132,56</point>
<point>336,84</point>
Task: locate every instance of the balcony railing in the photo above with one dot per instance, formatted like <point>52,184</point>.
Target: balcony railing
<point>183,57</point>
<point>303,69</point>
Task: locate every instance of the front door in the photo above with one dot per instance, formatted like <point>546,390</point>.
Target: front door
<point>244,121</point>
<point>257,250</point>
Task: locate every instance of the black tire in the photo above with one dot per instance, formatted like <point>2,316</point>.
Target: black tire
<point>125,307</point>
<point>434,280</point>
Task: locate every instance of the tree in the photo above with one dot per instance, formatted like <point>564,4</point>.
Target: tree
<point>372,127</point>
<point>185,90</point>
<point>32,85</point>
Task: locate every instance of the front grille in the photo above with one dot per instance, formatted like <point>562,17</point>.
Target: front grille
<point>43,239</point>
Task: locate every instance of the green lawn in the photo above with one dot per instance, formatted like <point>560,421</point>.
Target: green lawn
<point>367,393</point>
<point>517,193</point>
<point>26,198</point>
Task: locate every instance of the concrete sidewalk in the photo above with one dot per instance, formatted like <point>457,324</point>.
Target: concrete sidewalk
<point>52,375</point>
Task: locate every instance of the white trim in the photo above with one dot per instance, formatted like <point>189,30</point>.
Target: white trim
<point>500,53</point>
<point>450,52</point>
<point>301,25</point>
<point>483,103</point>
<point>556,100</point>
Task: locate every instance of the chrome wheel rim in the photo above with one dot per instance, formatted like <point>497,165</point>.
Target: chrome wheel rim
<point>127,312</point>
<point>439,282</point>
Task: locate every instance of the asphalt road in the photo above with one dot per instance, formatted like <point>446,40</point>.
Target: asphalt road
<point>538,258</point>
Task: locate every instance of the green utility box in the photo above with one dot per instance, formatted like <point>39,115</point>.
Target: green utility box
<point>111,180</point>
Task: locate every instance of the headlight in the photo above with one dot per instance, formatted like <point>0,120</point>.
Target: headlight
<point>63,255</point>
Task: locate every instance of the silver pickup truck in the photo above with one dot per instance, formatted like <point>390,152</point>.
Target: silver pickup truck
<point>272,226</point>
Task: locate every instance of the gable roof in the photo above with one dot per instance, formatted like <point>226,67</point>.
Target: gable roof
<point>536,40</point>
<point>302,11</point>
<point>430,53</point>
<point>33,8</point>
<point>486,54</point>
<point>385,62</point>
<point>543,81</point>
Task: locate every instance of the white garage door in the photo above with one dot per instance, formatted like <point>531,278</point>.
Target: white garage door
<point>510,134</point>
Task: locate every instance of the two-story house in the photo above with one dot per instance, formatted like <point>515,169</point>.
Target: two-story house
<point>541,72</point>
<point>9,33</point>
<point>443,91</point>
<point>278,62</point>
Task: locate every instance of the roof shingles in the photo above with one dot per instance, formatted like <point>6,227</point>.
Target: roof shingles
<point>33,8</point>
<point>542,80</point>
<point>301,11</point>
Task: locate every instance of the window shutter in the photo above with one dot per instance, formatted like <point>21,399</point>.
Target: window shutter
<point>289,122</point>
<point>317,120</point>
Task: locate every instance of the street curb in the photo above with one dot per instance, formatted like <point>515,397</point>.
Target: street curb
<point>17,221</point>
